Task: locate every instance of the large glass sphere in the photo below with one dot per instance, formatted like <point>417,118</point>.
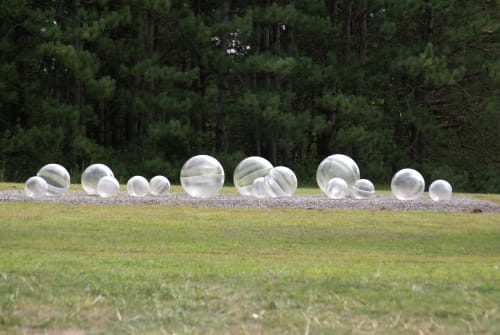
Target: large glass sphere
<point>202,176</point>
<point>259,188</point>
<point>35,187</point>
<point>280,182</point>
<point>440,190</point>
<point>336,188</point>
<point>407,184</point>
<point>337,166</point>
<point>137,186</point>
<point>107,187</point>
<point>91,176</point>
<point>247,171</point>
<point>57,178</point>
<point>159,185</point>
<point>362,189</point>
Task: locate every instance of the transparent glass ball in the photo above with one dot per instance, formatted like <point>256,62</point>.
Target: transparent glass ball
<point>202,176</point>
<point>35,187</point>
<point>280,182</point>
<point>57,178</point>
<point>336,188</point>
<point>440,190</point>
<point>92,175</point>
<point>362,189</point>
<point>137,186</point>
<point>259,188</point>
<point>337,166</point>
<point>107,187</point>
<point>159,185</point>
<point>407,184</point>
<point>247,171</point>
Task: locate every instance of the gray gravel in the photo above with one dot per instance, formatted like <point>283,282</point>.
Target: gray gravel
<point>310,201</point>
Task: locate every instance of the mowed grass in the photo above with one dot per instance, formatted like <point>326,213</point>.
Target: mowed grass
<point>100,269</point>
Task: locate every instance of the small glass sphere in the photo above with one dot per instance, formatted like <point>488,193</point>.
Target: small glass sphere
<point>280,182</point>
<point>137,186</point>
<point>362,189</point>
<point>407,184</point>
<point>336,188</point>
<point>107,187</point>
<point>247,171</point>
<point>337,166</point>
<point>57,178</point>
<point>440,190</point>
<point>35,187</point>
<point>202,176</point>
<point>259,188</point>
<point>159,185</point>
<point>91,176</point>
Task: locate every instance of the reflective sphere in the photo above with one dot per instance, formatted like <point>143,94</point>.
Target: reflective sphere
<point>91,176</point>
<point>280,182</point>
<point>159,185</point>
<point>202,176</point>
<point>362,189</point>
<point>57,178</point>
<point>107,187</point>
<point>35,187</point>
<point>407,184</point>
<point>440,190</point>
<point>336,188</point>
<point>337,166</point>
<point>247,171</point>
<point>259,188</point>
<point>137,186</point>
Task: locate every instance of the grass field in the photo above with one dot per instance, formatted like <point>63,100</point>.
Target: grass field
<point>90,269</point>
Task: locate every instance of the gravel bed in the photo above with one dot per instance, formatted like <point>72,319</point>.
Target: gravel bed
<point>310,201</point>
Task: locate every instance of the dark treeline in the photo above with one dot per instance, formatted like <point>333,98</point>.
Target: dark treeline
<point>142,85</point>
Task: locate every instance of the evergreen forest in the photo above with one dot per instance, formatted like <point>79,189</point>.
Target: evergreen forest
<point>142,85</point>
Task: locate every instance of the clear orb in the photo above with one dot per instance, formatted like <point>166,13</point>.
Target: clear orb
<point>91,176</point>
<point>137,186</point>
<point>362,189</point>
<point>35,187</point>
<point>159,185</point>
<point>107,187</point>
<point>202,176</point>
<point>336,188</point>
<point>407,184</point>
<point>337,166</point>
<point>440,190</point>
<point>57,178</point>
<point>259,188</point>
<point>247,171</point>
<point>280,182</point>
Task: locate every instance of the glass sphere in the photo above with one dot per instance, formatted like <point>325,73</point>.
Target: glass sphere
<point>202,176</point>
<point>337,166</point>
<point>57,178</point>
<point>440,190</point>
<point>159,185</point>
<point>247,171</point>
<point>91,176</point>
<point>407,184</point>
<point>107,187</point>
<point>362,189</point>
<point>35,187</point>
<point>280,182</point>
<point>336,188</point>
<point>259,188</point>
<point>137,186</point>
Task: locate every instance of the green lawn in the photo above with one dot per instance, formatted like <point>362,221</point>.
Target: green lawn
<point>90,269</point>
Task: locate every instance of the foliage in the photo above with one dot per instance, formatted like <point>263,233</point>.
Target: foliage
<point>149,83</point>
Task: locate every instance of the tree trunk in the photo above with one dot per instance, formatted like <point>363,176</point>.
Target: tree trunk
<point>333,11</point>
<point>347,30</point>
<point>220,128</point>
<point>362,32</point>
